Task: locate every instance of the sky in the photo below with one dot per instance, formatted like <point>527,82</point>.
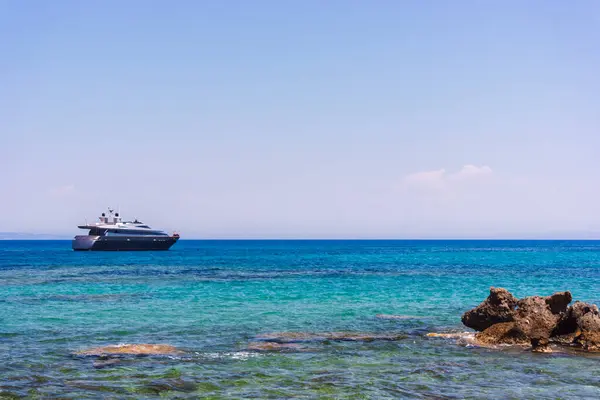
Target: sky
<point>302,119</point>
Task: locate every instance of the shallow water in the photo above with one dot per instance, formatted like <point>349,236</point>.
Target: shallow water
<point>213,299</point>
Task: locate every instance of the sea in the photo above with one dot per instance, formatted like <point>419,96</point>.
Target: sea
<point>214,300</point>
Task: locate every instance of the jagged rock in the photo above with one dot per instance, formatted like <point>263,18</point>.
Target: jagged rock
<point>497,308</point>
<point>572,320</point>
<point>535,318</point>
<point>588,325</point>
<point>558,302</point>
<point>539,316</point>
<point>589,340</point>
<point>590,322</point>
<point>540,345</point>
<point>540,321</point>
<point>502,333</point>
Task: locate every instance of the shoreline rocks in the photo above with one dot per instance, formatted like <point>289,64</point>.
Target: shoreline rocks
<point>536,321</point>
<point>502,333</point>
<point>535,318</point>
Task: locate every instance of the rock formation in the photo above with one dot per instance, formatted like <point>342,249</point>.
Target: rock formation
<point>537,321</point>
<point>502,333</point>
<point>535,317</point>
<point>588,340</point>
<point>498,307</point>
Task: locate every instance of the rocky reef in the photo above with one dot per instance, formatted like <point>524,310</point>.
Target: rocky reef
<point>310,341</point>
<point>131,349</point>
<point>535,321</point>
<point>294,337</point>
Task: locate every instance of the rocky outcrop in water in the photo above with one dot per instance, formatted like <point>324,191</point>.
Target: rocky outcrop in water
<point>497,308</point>
<point>502,333</point>
<point>538,316</point>
<point>536,321</point>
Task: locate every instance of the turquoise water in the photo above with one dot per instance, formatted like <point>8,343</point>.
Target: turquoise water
<point>213,298</point>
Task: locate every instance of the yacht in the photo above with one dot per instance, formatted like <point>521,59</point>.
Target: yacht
<point>112,233</point>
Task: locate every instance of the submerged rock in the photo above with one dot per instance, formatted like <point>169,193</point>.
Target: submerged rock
<point>498,307</point>
<point>363,337</point>
<point>291,337</point>
<point>502,333</point>
<point>274,346</point>
<point>105,361</point>
<point>392,316</point>
<point>159,386</point>
<point>131,349</point>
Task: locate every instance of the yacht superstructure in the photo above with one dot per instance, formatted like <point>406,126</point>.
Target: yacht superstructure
<point>112,233</point>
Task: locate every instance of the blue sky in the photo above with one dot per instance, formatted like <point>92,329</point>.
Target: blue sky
<point>302,118</point>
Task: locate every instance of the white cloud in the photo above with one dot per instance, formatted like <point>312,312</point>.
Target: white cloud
<point>471,171</point>
<point>426,176</point>
<point>441,178</point>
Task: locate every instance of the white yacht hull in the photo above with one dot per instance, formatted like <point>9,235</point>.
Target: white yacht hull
<point>123,243</point>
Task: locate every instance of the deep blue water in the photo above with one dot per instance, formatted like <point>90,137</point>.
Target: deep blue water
<point>213,298</point>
